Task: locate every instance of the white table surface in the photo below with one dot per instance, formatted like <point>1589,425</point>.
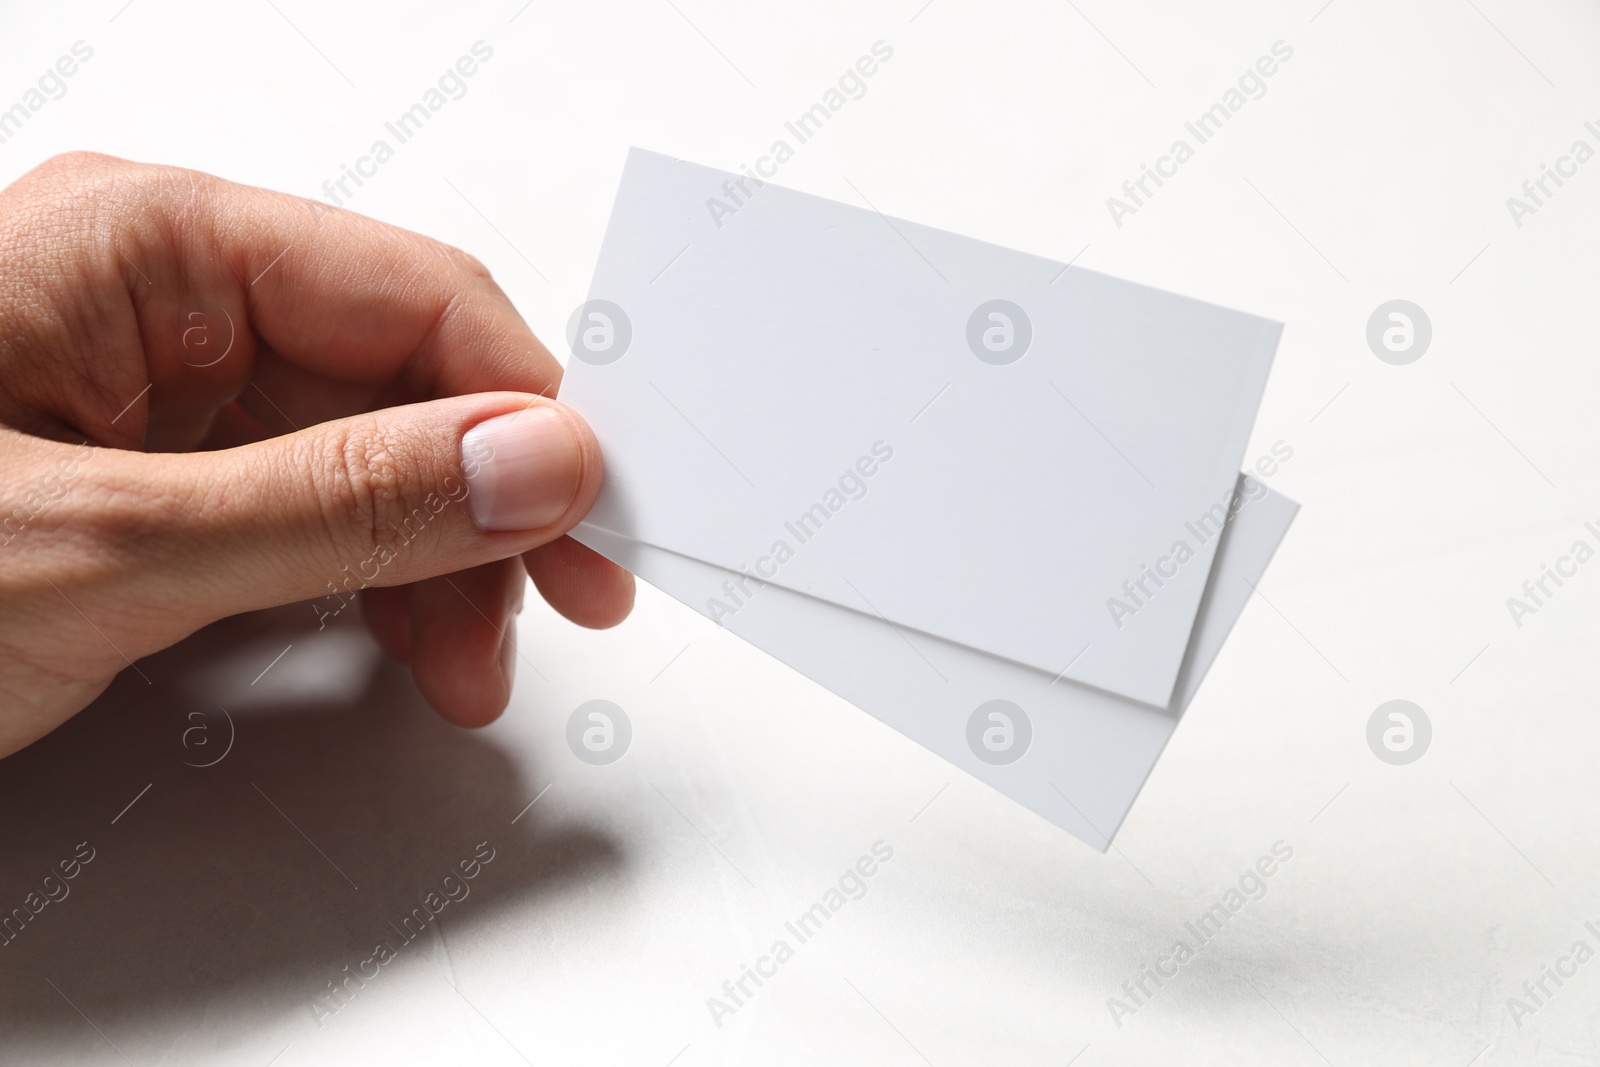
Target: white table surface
<point>1418,898</point>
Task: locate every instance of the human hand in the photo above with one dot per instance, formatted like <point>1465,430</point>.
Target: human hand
<point>216,398</point>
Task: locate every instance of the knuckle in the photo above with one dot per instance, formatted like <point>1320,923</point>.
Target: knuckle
<point>77,167</point>
<point>473,266</point>
<point>375,485</point>
<point>88,177</point>
<point>111,524</point>
<point>464,261</point>
<point>109,207</point>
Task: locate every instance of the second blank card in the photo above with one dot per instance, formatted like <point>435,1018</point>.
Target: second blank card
<point>965,440</point>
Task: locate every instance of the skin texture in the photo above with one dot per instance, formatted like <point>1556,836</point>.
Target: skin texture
<point>214,397</point>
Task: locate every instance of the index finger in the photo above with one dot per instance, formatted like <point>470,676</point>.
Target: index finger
<point>335,293</point>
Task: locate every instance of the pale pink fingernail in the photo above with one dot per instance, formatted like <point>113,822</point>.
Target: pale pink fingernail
<point>522,469</point>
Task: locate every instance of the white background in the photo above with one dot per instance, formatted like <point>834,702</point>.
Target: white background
<point>1377,166</point>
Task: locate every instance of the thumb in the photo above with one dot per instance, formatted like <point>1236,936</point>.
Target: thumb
<point>385,498</point>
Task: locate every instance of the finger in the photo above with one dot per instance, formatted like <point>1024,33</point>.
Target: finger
<point>581,584</point>
<point>463,641</point>
<point>186,275</point>
<point>285,396</point>
<point>60,648</point>
<point>382,499</point>
<point>387,612</point>
<point>232,427</point>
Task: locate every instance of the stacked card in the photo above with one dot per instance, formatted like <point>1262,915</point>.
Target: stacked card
<point>990,499</point>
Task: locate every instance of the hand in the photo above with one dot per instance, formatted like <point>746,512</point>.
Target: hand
<point>215,398</point>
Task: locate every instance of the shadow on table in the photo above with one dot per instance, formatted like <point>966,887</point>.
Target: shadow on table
<point>292,821</point>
